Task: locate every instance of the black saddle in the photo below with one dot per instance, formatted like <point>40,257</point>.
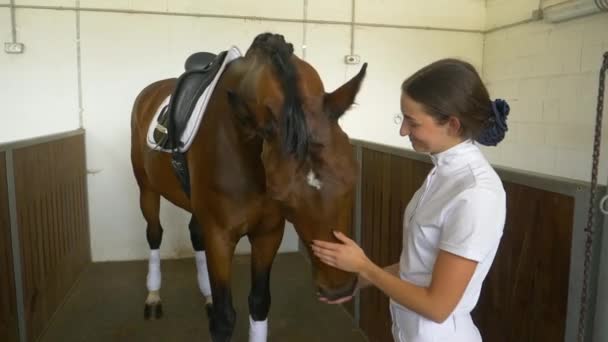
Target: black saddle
<point>201,69</point>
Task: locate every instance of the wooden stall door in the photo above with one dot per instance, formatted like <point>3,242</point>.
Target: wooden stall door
<point>524,297</point>
<point>50,182</point>
<point>388,183</point>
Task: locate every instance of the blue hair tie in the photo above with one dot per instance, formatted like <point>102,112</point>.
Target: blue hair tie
<point>495,130</point>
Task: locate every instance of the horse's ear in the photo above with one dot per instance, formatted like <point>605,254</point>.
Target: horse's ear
<point>254,117</point>
<point>342,98</point>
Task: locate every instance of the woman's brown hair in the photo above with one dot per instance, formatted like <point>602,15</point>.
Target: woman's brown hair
<point>451,87</point>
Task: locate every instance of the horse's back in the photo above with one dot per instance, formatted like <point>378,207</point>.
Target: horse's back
<point>152,169</point>
<point>146,103</point>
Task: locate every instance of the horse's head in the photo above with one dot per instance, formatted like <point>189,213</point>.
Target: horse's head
<point>308,161</point>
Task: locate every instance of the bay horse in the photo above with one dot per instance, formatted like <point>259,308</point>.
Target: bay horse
<point>269,148</point>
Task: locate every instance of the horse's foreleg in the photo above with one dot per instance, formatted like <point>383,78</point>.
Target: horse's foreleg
<point>264,248</point>
<point>150,206</point>
<point>202,272</point>
<point>220,248</point>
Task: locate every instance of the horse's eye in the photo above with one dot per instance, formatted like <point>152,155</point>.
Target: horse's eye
<point>316,145</point>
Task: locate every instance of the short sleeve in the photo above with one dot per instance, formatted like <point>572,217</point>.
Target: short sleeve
<point>473,223</point>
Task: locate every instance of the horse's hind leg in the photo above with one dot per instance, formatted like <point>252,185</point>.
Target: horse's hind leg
<point>202,272</point>
<point>150,206</point>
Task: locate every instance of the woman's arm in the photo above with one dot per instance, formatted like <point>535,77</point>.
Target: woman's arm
<point>451,275</point>
<point>363,283</point>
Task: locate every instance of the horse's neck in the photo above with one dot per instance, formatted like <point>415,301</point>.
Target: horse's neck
<point>235,153</point>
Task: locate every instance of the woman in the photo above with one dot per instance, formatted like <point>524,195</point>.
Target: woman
<point>453,223</point>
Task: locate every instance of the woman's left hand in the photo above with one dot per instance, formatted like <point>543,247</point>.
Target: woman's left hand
<point>347,256</point>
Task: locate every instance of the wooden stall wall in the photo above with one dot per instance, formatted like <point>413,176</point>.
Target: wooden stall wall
<point>8,305</point>
<point>388,182</point>
<point>525,295</point>
<point>49,177</point>
<point>50,182</point>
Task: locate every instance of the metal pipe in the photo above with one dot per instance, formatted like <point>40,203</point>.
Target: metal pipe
<point>79,69</point>
<point>305,17</point>
<point>352,28</point>
<point>555,5</point>
<point>242,17</point>
<point>15,245</point>
<point>13,24</point>
<point>517,23</point>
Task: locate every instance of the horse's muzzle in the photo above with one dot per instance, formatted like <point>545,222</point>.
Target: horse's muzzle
<point>335,294</point>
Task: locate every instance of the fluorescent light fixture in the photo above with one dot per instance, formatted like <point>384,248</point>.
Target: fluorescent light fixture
<point>573,9</point>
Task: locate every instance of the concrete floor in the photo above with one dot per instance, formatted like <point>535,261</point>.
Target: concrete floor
<point>106,304</point>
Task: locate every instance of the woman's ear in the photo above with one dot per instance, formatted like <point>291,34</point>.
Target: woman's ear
<point>454,126</point>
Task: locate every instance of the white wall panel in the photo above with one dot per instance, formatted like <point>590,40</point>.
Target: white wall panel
<point>5,28</point>
<point>336,10</point>
<point>136,5</point>
<point>291,9</point>
<point>464,14</point>
<point>118,62</point>
<point>39,89</point>
<point>393,55</point>
<point>67,3</point>
<point>548,73</point>
<point>504,12</point>
<point>326,46</point>
<point>121,53</point>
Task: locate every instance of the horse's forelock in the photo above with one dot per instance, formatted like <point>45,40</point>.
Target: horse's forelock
<point>293,120</point>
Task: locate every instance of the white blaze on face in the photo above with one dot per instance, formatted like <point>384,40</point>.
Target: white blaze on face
<point>313,181</point>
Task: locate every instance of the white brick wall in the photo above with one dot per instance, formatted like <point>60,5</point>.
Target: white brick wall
<point>121,53</point>
<point>549,75</point>
<point>503,12</point>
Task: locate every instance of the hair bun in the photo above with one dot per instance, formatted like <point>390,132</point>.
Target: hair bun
<point>496,127</point>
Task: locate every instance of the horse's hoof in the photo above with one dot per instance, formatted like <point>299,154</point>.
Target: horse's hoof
<point>153,311</point>
<point>159,311</point>
<point>209,310</point>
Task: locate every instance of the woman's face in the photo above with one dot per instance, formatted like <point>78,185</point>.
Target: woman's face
<point>426,135</point>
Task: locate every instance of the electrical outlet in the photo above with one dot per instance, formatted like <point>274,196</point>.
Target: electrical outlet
<point>13,47</point>
<point>352,59</point>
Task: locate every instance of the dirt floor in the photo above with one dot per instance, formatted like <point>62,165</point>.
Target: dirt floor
<point>106,304</point>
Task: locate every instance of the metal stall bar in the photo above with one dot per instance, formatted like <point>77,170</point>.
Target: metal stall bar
<point>16,248</point>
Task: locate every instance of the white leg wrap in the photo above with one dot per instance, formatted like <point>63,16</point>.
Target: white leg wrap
<point>203,275</point>
<point>153,278</point>
<point>258,330</point>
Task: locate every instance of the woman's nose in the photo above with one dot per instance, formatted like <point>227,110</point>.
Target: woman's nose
<point>404,130</point>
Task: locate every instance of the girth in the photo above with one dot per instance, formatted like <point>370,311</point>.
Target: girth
<point>201,69</point>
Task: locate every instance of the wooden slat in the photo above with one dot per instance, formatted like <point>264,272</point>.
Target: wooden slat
<point>8,305</point>
<point>388,184</point>
<point>526,292</point>
<point>50,182</point>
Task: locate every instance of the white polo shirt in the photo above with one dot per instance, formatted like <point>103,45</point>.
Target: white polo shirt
<point>460,208</point>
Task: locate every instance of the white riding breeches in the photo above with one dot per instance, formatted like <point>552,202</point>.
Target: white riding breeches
<point>409,326</point>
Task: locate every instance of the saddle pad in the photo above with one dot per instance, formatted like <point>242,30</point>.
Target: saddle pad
<point>199,110</point>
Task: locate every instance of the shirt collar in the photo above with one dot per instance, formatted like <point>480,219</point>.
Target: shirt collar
<point>453,154</point>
